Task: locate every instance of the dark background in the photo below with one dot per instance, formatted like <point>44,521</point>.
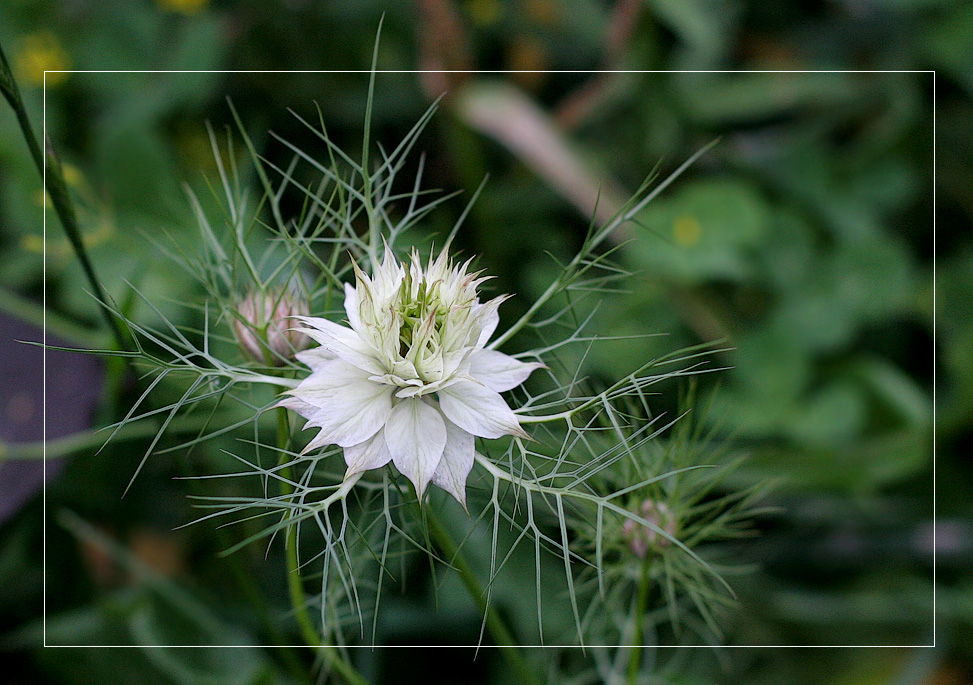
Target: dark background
<point>804,238</point>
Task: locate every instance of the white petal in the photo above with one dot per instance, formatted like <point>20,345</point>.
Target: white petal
<point>456,361</point>
<point>456,463</point>
<point>297,405</point>
<point>416,436</point>
<point>403,368</point>
<point>499,371</point>
<point>351,306</point>
<point>314,357</point>
<point>371,454</point>
<point>340,341</point>
<point>347,407</point>
<point>490,319</point>
<point>478,410</point>
<point>411,389</point>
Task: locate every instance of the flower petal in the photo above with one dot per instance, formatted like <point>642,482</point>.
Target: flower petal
<point>416,436</point>
<point>489,319</point>
<point>351,307</point>
<point>340,341</point>
<point>343,403</point>
<point>478,410</point>
<point>296,405</point>
<point>314,357</point>
<point>456,463</point>
<point>371,454</point>
<point>499,371</point>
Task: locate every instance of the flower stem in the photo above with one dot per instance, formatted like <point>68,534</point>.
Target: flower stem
<point>623,216</point>
<point>641,604</point>
<point>49,166</point>
<point>12,93</point>
<point>295,583</point>
<point>244,580</point>
<point>498,629</point>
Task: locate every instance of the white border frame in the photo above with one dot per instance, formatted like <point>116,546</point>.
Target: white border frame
<point>488,71</point>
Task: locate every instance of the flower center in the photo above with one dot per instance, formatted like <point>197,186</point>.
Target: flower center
<point>423,315</point>
<point>422,322</point>
<point>408,333</point>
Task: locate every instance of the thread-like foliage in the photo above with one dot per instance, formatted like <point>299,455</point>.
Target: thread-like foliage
<point>572,496</point>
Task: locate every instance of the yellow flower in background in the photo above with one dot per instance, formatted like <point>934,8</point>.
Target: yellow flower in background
<point>98,226</point>
<point>40,52</point>
<point>59,249</point>
<point>686,230</point>
<point>187,7</point>
<point>72,176</point>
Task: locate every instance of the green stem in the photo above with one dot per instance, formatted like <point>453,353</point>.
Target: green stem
<point>641,604</point>
<point>12,93</point>
<point>295,583</point>
<point>498,629</point>
<point>603,233</point>
<point>58,190</point>
<point>245,581</point>
<point>84,440</point>
<point>33,313</point>
<point>249,588</point>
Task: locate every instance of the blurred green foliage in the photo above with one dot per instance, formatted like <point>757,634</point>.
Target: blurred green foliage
<point>804,240</point>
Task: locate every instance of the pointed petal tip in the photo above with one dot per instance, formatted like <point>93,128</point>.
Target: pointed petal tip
<point>521,433</point>
<point>478,410</point>
<point>455,490</point>
<point>420,492</point>
<point>453,470</point>
<point>462,500</point>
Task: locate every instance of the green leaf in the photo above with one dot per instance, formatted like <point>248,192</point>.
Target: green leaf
<point>852,468</point>
<point>833,414</point>
<point>724,98</point>
<point>702,27</point>
<point>705,231</point>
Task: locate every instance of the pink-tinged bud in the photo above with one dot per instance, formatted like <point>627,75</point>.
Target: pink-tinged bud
<point>641,538</point>
<point>262,327</point>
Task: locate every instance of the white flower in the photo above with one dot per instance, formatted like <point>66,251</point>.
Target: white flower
<point>408,380</point>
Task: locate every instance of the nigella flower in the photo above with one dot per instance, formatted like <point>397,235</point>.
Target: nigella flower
<point>409,380</point>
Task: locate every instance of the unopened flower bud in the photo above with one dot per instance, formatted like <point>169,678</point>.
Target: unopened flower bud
<point>640,537</point>
<point>263,328</point>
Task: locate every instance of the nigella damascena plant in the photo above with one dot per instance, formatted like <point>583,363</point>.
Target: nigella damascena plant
<point>263,326</point>
<point>640,537</point>
<point>409,379</point>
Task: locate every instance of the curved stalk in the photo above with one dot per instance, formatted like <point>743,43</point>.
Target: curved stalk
<point>641,604</point>
<point>295,583</point>
<point>627,214</point>
<point>49,166</point>
<point>498,629</point>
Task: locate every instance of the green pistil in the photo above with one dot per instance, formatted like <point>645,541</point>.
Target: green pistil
<point>414,314</point>
<point>415,311</point>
